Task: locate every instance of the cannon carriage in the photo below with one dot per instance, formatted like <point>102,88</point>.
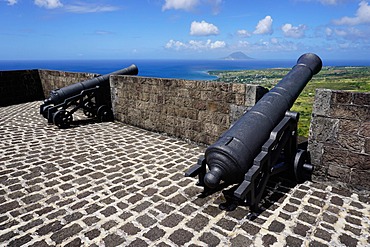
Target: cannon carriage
<point>261,143</point>
<point>92,96</point>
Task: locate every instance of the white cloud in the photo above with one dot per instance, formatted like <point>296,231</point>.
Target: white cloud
<point>264,26</point>
<point>12,2</point>
<point>49,4</point>
<point>203,29</point>
<point>82,8</point>
<point>293,32</point>
<point>173,44</point>
<point>180,4</point>
<point>195,45</point>
<point>216,6</point>
<point>243,33</point>
<point>329,2</point>
<point>362,16</point>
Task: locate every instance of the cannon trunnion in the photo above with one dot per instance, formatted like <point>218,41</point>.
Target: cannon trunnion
<point>92,96</point>
<point>261,143</point>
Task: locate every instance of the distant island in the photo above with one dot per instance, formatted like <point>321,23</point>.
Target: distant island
<point>237,56</point>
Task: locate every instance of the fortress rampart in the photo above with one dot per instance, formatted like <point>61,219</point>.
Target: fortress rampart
<point>200,111</point>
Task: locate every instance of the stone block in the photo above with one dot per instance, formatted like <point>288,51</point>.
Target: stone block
<point>361,99</point>
<point>322,102</point>
<point>352,112</point>
<point>351,142</point>
<point>341,97</point>
<point>339,173</point>
<point>324,129</point>
<point>360,179</point>
<point>332,155</point>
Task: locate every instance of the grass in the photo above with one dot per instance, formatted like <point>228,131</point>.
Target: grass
<point>336,78</point>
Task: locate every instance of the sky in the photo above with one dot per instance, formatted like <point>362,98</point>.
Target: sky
<point>183,29</point>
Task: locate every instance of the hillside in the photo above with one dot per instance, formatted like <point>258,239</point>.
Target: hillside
<point>237,56</point>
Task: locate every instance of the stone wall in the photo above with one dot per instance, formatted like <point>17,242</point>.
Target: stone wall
<point>196,110</point>
<point>339,140</point>
<point>19,86</point>
<point>53,79</point>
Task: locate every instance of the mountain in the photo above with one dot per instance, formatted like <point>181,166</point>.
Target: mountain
<point>237,56</point>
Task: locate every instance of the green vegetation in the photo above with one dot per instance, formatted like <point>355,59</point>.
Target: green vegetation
<point>337,78</point>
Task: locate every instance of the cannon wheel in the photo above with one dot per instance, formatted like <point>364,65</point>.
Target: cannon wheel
<point>302,167</point>
<point>104,113</point>
<point>62,119</point>
<point>88,109</point>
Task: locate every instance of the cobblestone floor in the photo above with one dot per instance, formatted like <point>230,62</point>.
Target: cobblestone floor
<point>109,184</point>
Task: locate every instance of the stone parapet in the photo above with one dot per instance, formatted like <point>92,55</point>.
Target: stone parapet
<point>53,79</point>
<point>19,86</point>
<point>196,110</point>
<point>339,140</point>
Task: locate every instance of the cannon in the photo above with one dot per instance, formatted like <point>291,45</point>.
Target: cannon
<point>261,143</point>
<point>92,96</point>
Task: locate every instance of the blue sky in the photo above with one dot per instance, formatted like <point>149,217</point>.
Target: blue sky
<point>183,29</point>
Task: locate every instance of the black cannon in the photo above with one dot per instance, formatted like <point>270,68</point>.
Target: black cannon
<point>92,96</point>
<point>261,143</point>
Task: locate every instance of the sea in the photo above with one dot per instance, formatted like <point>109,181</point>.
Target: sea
<point>160,68</point>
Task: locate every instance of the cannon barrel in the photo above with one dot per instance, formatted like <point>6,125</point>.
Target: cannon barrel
<point>59,95</point>
<point>230,157</point>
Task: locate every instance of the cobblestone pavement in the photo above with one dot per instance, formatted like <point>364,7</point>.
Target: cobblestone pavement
<point>109,184</point>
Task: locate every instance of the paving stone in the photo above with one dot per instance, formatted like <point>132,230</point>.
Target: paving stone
<point>226,224</point>
<point>317,244</point>
<point>198,222</point>
<point>293,241</point>
<point>301,229</point>
<point>181,237</point>
<point>268,240</point>
<point>130,228</point>
<point>113,240</point>
<point>172,220</point>
<point>239,240</point>
<point>321,233</point>
<point>92,234</point>
<point>154,233</point>
<point>348,240</point>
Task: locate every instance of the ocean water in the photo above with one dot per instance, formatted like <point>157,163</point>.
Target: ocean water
<point>181,69</point>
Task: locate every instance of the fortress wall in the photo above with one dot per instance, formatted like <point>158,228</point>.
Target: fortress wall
<point>19,86</point>
<point>339,140</point>
<point>196,110</point>
<point>53,79</point>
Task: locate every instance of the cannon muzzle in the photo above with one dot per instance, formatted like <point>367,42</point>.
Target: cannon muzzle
<point>230,157</point>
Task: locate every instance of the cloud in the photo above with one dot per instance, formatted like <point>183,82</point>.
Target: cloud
<point>83,8</point>
<point>329,2</point>
<point>216,6</point>
<point>293,32</point>
<point>243,33</point>
<point>49,4</point>
<point>12,2</point>
<point>180,4</point>
<point>195,45</point>
<point>264,26</point>
<point>362,16</point>
<point>203,29</point>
